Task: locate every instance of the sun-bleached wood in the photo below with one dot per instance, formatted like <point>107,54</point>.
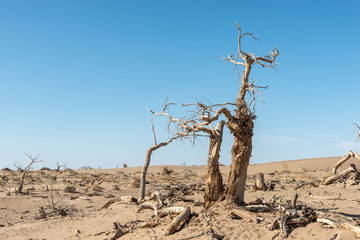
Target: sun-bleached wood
<point>149,206</point>
<point>343,174</point>
<point>352,228</point>
<point>178,220</point>
<point>342,160</point>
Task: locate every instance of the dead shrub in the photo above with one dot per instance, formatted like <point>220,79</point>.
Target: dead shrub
<point>167,171</point>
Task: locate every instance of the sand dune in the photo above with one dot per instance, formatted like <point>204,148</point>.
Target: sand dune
<point>84,218</point>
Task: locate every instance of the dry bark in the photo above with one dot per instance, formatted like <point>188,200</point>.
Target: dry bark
<point>177,221</point>
<point>214,183</point>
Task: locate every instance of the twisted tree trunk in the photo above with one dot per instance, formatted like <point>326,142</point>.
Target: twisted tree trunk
<point>240,157</point>
<point>214,183</point>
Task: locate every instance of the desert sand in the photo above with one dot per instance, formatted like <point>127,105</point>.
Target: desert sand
<point>69,204</point>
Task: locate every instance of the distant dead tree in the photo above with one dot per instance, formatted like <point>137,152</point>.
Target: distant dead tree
<point>199,120</point>
<point>241,125</point>
<point>26,170</point>
<point>60,165</point>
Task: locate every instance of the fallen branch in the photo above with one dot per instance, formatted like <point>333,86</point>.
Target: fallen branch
<point>149,206</point>
<point>343,174</point>
<point>352,228</point>
<point>171,210</point>
<point>326,221</point>
<point>176,222</point>
<point>120,231</point>
<point>258,208</point>
<point>341,161</point>
<point>128,199</point>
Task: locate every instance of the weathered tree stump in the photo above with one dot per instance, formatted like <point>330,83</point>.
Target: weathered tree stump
<point>260,182</point>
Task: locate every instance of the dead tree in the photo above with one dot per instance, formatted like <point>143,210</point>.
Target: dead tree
<point>241,125</point>
<point>59,166</point>
<point>26,170</point>
<point>200,120</point>
<point>148,157</point>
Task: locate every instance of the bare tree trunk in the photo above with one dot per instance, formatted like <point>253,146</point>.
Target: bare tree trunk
<point>147,163</point>
<point>240,153</point>
<point>143,173</point>
<point>214,183</point>
<point>26,170</point>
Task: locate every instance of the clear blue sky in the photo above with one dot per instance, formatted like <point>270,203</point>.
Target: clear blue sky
<point>75,77</point>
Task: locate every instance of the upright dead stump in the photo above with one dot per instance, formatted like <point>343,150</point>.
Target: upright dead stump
<point>260,182</point>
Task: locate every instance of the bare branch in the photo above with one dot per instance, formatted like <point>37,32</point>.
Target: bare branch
<point>153,130</point>
<point>358,138</point>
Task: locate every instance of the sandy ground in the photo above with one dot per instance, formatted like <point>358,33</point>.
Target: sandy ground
<point>83,217</point>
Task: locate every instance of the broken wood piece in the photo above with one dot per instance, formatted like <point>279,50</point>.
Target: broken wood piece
<point>352,228</point>
<point>275,223</point>
<point>293,202</point>
<point>326,221</point>
<point>283,229</point>
<point>341,161</point>
<point>127,199</point>
<point>343,174</point>
<point>177,221</point>
<point>306,184</point>
<point>333,237</point>
<point>171,210</point>
<point>258,208</point>
<point>329,198</point>
<point>157,195</point>
<point>120,231</point>
<point>149,206</point>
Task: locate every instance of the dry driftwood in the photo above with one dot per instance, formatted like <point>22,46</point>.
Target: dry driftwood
<point>283,222</point>
<point>127,199</point>
<point>341,161</point>
<point>326,221</point>
<point>305,184</point>
<point>177,221</point>
<point>171,210</point>
<point>157,195</point>
<point>343,174</point>
<point>258,208</point>
<point>354,229</point>
<point>149,206</point>
<point>293,202</point>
